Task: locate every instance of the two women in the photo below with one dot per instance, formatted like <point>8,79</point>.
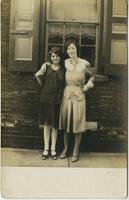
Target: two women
<point>78,80</point>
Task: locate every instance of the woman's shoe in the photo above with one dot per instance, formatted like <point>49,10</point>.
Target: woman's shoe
<point>63,155</point>
<point>45,154</point>
<point>53,155</point>
<point>75,158</point>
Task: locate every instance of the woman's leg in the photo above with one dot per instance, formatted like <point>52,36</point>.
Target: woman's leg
<point>53,143</point>
<point>47,132</point>
<point>53,139</point>
<point>66,140</point>
<point>77,142</point>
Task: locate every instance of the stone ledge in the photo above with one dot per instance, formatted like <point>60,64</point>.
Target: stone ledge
<point>91,126</point>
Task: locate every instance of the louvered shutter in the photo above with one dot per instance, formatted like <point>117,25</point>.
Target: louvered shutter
<point>24,32</point>
<point>115,44</point>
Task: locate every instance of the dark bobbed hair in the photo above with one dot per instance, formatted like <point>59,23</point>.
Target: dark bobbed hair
<point>56,50</point>
<point>72,41</point>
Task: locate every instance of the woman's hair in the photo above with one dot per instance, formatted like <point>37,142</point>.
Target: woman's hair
<point>68,43</point>
<point>57,51</point>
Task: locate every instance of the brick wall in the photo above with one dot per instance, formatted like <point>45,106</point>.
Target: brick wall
<point>20,94</point>
<point>106,104</point>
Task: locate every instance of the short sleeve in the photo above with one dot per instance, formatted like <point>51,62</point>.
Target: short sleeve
<point>87,66</point>
<point>88,73</point>
<point>42,70</point>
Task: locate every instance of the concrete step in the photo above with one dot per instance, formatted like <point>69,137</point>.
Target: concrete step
<point>32,158</point>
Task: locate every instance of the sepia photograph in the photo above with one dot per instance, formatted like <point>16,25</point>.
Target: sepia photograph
<point>64,98</point>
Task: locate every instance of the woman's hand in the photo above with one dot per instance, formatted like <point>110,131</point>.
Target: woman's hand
<point>85,88</point>
<point>89,85</point>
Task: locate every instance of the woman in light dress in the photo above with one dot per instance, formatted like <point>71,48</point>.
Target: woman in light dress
<point>73,108</point>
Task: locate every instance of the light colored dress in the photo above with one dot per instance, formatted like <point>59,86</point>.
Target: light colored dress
<point>73,107</point>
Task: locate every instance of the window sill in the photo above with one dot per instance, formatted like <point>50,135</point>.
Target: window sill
<point>100,78</point>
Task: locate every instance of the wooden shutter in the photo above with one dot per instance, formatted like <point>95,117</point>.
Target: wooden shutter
<point>115,43</point>
<point>24,31</point>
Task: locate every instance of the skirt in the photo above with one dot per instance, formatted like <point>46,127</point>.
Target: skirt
<point>73,111</point>
<point>49,115</point>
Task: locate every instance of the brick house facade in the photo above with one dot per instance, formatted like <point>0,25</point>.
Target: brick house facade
<point>106,104</point>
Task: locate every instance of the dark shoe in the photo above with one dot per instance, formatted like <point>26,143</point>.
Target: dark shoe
<point>53,155</point>
<point>45,154</point>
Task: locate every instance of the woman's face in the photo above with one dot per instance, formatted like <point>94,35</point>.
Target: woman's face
<point>55,58</point>
<point>72,50</point>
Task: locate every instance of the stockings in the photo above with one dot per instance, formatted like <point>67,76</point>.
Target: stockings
<point>78,137</point>
<point>48,131</point>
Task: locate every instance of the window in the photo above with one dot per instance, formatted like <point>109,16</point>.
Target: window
<point>78,19</point>
<point>99,26</point>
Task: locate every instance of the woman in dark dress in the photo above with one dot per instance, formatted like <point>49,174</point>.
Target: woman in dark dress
<point>51,78</point>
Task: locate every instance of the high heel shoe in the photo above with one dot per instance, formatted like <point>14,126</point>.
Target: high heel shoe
<point>45,154</point>
<point>75,158</point>
<point>63,155</point>
<point>53,155</point>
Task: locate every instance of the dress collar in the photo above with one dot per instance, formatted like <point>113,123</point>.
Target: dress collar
<point>81,65</point>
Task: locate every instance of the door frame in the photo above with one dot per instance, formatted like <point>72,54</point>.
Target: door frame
<point>42,31</point>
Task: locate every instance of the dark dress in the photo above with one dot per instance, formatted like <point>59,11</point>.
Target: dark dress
<point>51,96</point>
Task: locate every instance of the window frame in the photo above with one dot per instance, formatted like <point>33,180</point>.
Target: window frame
<point>99,34</point>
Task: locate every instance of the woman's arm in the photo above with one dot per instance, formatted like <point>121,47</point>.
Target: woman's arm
<point>40,73</point>
<point>88,85</point>
<point>90,82</point>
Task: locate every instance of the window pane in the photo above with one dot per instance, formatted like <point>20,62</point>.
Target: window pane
<point>72,10</point>
<point>88,53</point>
<point>55,33</point>
<point>64,10</point>
<point>89,10</point>
<point>56,10</point>
<point>72,31</point>
<point>88,35</point>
